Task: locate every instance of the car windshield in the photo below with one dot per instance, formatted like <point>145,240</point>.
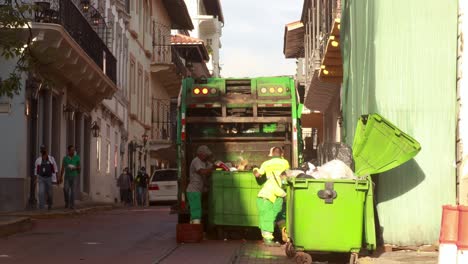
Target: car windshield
<point>165,175</point>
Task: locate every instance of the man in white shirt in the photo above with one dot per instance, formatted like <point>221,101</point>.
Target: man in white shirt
<point>199,169</point>
<point>45,170</point>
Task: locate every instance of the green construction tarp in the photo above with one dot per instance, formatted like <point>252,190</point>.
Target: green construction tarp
<point>399,60</point>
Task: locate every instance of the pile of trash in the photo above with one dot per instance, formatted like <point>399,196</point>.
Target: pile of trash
<point>337,163</point>
<point>241,165</point>
<point>335,169</point>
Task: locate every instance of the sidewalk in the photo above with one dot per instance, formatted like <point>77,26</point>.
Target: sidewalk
<point>21,221</point>
<point>80,208</point>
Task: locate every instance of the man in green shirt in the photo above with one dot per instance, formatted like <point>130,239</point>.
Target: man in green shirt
<point>71,169</point>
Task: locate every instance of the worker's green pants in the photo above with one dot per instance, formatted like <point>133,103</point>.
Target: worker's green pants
<point>267,212</point>
<point>194,199</point>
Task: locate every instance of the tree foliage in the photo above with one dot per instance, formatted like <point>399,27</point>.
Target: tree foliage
<point>14,20</point>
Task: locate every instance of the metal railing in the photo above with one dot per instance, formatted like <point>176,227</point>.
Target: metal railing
<point>85,25</point>
<point>162,54</point>
<point>164,122</point>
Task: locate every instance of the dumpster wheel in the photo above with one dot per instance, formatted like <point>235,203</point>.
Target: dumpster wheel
<point>303,258</point>
<point>353,259</point>
<point>290,250</point>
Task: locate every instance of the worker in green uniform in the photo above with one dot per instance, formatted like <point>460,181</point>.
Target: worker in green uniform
<point>270,197</point>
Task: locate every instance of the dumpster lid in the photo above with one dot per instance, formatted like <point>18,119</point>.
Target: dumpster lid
<point>380,146</point>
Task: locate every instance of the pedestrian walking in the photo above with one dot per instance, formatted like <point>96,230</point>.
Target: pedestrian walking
<point>71,167</point>
<point>142,181</point>
<point>270,197</point>
<point>125,185</point>
<point>199,170</point>
<point>45,170</point>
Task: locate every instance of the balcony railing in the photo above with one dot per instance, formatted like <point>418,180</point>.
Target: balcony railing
<point>162,54</point>
<point>80,28</point>
<point>164,124</point>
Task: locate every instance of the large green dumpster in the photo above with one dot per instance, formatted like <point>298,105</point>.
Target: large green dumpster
<point>327,222</point>
<point>325,215</point>
<point>232,199</point>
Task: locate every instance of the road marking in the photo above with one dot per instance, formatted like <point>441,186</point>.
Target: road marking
<point>167,254</point>
<point>92,243</point>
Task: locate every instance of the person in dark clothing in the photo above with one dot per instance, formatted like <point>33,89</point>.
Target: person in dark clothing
<point>142,182</point>
<point>125,185</point>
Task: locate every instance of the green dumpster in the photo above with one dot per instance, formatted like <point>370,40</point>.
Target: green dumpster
<point>232,199</point>
<point>325,215</point>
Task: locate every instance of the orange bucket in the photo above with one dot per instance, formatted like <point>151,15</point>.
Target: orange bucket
<point>462,242</point>
<point>449,225</point>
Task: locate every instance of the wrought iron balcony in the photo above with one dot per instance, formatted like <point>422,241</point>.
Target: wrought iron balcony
<point>85,25</point>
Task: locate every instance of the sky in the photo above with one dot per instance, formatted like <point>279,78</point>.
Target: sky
<point>252,41</point>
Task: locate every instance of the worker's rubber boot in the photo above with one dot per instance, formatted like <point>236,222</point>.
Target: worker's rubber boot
<point>268,239</point>
<point>270,243</point>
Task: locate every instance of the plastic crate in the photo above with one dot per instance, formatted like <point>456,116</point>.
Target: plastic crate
<point>189,233</point>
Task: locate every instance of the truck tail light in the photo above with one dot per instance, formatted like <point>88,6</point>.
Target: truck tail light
<point>196,91</point>
<point>182,132</point>
<point>205,90</point>
<point>154,187</point>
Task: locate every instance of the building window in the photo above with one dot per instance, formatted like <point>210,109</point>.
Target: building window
<point>132,76</point>
<point>140,94</point>
<point>108,163</point>
<point>104,63</point>
<point>98,153</point>
<point>116,156</point>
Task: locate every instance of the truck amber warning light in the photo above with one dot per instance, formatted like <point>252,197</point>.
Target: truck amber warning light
<point>204,91</point>
<point>273,90</point>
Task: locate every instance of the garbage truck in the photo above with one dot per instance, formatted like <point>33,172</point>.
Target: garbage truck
<point>239,119</point>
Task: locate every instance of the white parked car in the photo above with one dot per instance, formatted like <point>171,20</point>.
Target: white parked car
<point>163,185</point>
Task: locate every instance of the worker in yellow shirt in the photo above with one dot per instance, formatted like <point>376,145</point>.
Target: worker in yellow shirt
<point>270,197</point>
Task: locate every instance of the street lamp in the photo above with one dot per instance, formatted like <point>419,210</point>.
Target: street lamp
<point>85,5</point>
<point>95,129</point>
<point>70,112</point>
<point>96,17</point>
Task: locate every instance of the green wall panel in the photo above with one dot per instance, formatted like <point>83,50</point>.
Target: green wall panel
<point>399,60</point>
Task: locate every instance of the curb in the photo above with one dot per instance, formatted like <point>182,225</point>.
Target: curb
<point>16,225</point>
<point>52,214</point>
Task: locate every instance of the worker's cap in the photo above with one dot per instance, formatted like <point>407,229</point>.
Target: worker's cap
<point>204,150</point>
<point>143,168</point>
<point>273,149</point>
<point>43,147</point>
<point>271,152</point>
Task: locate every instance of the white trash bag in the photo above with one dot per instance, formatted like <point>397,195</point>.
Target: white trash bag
<point>335,169</point>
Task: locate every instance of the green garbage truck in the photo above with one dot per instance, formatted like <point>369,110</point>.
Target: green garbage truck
<point>239,119</point>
